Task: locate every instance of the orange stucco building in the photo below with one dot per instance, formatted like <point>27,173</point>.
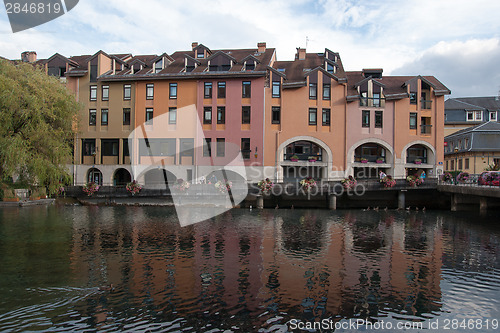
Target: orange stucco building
<point>286,119</point>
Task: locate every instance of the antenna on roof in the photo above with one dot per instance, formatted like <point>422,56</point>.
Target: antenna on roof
<point>307,41</point>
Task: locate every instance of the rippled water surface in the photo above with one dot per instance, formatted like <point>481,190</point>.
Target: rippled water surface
<point>135,269</point>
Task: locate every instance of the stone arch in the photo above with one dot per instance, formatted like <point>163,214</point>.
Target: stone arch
<point>94,175</point>
<point>390,158</point>
<point>121,177</point>
<point>327,156</point>
<point>158,178</point>
<point>432,156</point>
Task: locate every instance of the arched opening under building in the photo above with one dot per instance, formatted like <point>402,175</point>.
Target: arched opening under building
<point>94,175</point>
<point>121,177</point>
<point>159,177</point>
<point>302,159</point>
<point>370,159</point>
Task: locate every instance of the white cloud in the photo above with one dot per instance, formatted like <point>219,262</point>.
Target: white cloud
<point>388,34</point>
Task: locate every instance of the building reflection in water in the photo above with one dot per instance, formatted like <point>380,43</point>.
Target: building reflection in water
<point>240,265</point>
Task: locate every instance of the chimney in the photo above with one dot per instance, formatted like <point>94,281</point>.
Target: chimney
<point>194,45</point>
<point>261,47</point>
<point>28,56</point>
<point>301,53</point>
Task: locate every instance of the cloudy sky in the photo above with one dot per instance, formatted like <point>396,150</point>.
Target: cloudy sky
<point>455,40</point>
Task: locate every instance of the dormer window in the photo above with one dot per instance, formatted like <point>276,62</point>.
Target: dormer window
<point>136,68</point>
<point>250,65</point>
<point>200,55</point>
<point>159,66</point>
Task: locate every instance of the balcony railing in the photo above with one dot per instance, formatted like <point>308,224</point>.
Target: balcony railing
<point>303,157</point>
<point>425,105</point>
<point>369,159</point>
<point>426,129</point>
<point>372,102</point>
<point>423,160</point>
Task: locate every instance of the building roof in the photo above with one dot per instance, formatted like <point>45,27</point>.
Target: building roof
<point>483,137</point>
<point>473,103</point>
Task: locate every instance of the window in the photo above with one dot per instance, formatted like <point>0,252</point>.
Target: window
<point>172,116</point>
<point>173,90</point>
<point>207,148</point>
<point>379,120</point>
<point>460,164</point>
<point>467,166</point>
<point>221,147</point>
<point>470,116</point>
<point>413,120</point>
<point>92,117</point>
<point>88,147</point>
<point>246,89</point>
<point>105,93</point>
<point>158,66</point>
<point>326,117</point>
<point>276,89</point>
<point>245,148</point>
<point>186,147</point>
<point>376,100</point>
<point>330,68</point>
<point>327,91</point>
<point>127,91</point>
<point>149,116</point>
<point>452,165</point>
<point>493,116</point>
<point>413,98</point>
<point>245,114</point>
<point>478,115</point>
<point>150,91</point>
<point>313,91</point>
<point>207,115</point>
<point>110,147</point>
<point>425,125</point>
<point>312,116</point>
<point>93,73</point>
<point>207,90</point>
<point>447,166</point>
<point>221,89</point>
<point>221,115</point>
<point>93,93</point>
<point>104,117</point>
<point>126,116</point>
<point>276,115</point>
<point>249,65</point>
<point>365,118</point>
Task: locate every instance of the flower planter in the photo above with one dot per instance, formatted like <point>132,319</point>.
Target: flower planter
<point>379,161</point>
<point>418,162</point>
<point>312,161</point>
<point>293,159</point>
<point>11,199</point>
<point>364,161</point>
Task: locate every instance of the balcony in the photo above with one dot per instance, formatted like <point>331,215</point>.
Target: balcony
<point>369,159</point>
<point>425,105</point>
<point>426,129</point>
<point>372,102</point>
<point>303,157</point>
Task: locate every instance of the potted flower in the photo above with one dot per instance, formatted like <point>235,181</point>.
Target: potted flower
<point>380,160</point>
<point>133,187</point>
<point>446,177</point>
<point>307,183</point>
<point>414,181</point>
<point>463,177</point>
<point>182,185</point>
<point>223,187</point>
<point>294,158</point>
<point>417,161</point>
<point>90,188</point>
<point>312,158</point>
<point>388,182</point>
<point>363,160</point>
<point>349,183</point>
<point>265,185</point>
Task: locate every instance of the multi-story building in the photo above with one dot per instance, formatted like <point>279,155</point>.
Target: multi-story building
<point>465,112</point>
<point>473,149</point>
<point>186,114</point>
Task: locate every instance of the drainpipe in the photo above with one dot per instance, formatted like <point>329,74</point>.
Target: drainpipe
<point>394,139</point>
<point>276,156</point>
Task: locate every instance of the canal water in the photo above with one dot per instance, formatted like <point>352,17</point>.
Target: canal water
<point>135,269</point>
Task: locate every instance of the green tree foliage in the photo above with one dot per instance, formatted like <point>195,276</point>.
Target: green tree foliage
<point>37,114</point>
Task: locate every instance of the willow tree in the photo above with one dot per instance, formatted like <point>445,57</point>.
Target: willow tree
<point>37,114</point>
